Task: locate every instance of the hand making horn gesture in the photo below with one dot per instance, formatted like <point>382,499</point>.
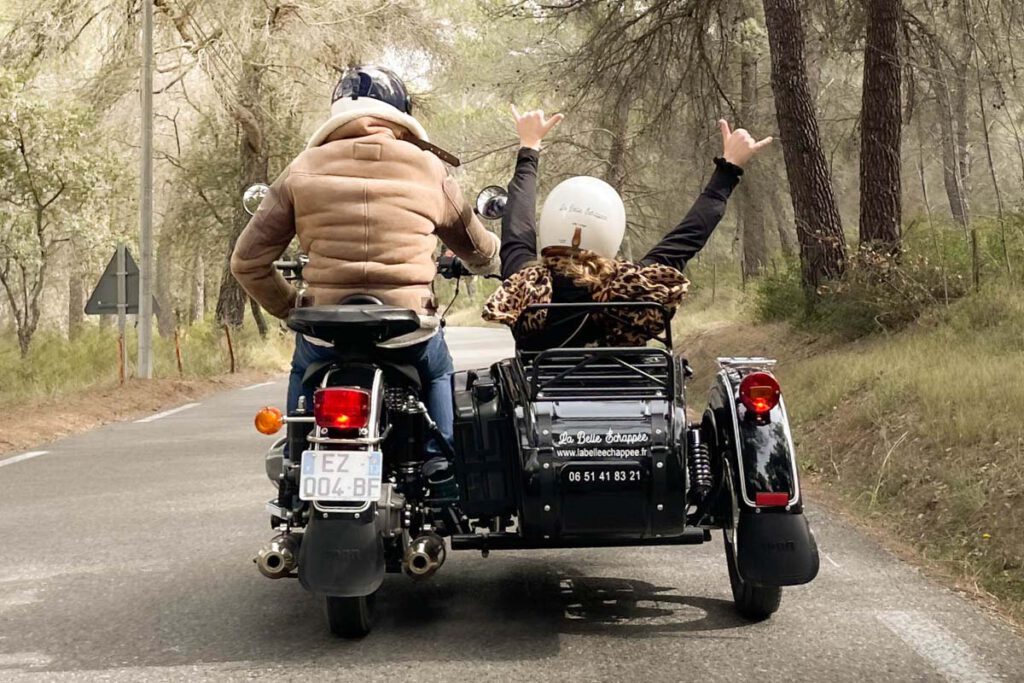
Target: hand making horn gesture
<point>738,146</point>
<point>533,126</point>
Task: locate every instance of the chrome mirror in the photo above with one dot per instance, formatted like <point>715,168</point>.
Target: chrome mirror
<point>490,203</point>
<point>253,197</point>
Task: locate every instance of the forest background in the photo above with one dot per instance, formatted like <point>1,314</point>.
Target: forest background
<point>877,248</point>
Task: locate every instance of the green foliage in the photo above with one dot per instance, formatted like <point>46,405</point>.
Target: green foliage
<point>57,366</point>
<point>881,293</point>
<point>53,170</point>
<point>780,296</point>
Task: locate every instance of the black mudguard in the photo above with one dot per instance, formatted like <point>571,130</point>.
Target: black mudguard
<point>776,549</point>
<point>341,555</point>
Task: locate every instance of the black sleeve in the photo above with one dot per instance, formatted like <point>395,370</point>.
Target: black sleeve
<point>684,241</point>
<point>518,228</point>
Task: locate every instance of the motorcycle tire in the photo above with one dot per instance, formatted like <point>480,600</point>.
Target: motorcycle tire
<point>753,602</point>
<point>350,617</point>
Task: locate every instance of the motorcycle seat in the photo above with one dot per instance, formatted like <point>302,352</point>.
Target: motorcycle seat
<point>347,325</point>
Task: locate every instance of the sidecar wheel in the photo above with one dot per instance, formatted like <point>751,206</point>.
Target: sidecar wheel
<point>350,617</point>
<point>755,603</point>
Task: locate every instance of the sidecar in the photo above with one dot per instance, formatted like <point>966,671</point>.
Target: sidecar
<point>592,447</point>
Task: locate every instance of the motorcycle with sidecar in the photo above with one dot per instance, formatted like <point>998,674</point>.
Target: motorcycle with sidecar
<point>560,448</point>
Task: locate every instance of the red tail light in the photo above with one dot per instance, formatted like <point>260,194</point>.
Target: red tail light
<point>771,499</point>
<point>342,408</point>
<point>759,392</point>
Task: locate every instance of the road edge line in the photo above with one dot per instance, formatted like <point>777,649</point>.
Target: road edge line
<point>166,413</point>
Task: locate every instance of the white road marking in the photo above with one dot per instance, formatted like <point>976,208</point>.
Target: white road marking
<point>950,656</point>
<point>18,598</point>
<point>167,413</point>
<point>831,561</point>
<point>23,456</point>
<point>23,659</point>
<point>257,386</point>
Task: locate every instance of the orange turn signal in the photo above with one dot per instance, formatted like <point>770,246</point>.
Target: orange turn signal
<point>269,420</point>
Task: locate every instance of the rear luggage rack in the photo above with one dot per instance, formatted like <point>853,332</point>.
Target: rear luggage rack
<point>603,373</point>
<point>600,374</point>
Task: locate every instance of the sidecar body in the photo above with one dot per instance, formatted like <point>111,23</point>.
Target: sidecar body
<point>590,447</point>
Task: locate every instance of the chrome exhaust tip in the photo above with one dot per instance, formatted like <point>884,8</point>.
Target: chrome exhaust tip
<point>279,557</point>
<point>424,556</point>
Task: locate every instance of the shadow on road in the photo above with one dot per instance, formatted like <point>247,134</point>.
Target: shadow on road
<point>514,610</point>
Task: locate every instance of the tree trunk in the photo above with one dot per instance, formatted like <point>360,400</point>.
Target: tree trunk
<point>618,157</point>
<point>881,129</point>
<point>952,116</point>
<point>819,227</point>
<point>167,317</point>
<point>750,198</point>
<point>197,297</point>
<point>787,242</point>
<point>253,163</point>
<point>76,300</point>
<point>257,315</point>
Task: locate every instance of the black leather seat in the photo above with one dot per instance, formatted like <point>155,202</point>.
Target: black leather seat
<point>349,325</point>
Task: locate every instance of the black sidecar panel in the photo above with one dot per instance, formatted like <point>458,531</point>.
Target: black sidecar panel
<point>485,445</point>
<point>600,450</point>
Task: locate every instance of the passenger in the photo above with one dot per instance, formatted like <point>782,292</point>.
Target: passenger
<point>581,228</point>
<point>367,202</point>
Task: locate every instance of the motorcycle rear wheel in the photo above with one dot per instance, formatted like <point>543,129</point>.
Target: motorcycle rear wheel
<point>350,617</point>
<point>753,602</point>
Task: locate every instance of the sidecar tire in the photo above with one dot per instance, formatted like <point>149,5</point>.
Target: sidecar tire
<point>755,603</point>
<point>350,617</point>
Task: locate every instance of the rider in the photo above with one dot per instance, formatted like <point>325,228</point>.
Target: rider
<point>581,228</point>
<point>367,201</point>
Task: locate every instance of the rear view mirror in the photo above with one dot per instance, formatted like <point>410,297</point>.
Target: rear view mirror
<point>490,203</point>
<point>253,197</point>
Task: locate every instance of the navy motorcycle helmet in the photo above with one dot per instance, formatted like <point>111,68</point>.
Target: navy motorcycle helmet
<point>374,82</point>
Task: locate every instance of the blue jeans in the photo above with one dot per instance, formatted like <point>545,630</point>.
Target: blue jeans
<point>431,360</point>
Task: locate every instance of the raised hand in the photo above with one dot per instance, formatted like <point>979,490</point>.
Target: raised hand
<point>533,126</point>
<point>738,146</point>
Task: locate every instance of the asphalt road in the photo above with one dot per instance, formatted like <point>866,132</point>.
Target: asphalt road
<point>127,555</point>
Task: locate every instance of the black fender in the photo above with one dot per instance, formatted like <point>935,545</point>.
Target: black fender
<point>342,555</point>
<point>776,549</point>
<point>774,543</point>
<point>760,452</point>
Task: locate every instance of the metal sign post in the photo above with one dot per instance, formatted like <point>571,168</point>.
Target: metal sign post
<point>117,293</point>
<point>145,369</point>
<point>122,308</point>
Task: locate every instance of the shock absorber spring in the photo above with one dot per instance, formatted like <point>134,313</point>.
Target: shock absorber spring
<point>699,459</point>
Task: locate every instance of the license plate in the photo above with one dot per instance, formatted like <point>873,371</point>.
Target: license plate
<point>340,476</point>
<point>602,477</point>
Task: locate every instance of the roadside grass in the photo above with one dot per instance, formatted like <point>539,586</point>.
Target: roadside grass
<point>57,366</point>
<point>922,432</point>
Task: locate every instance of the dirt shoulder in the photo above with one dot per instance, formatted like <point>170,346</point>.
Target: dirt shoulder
<point>32,423</point>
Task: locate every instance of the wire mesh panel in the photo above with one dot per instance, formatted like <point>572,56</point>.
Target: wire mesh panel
<point>599,374</point>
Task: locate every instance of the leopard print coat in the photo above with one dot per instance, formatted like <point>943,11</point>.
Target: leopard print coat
<point>630,282</point>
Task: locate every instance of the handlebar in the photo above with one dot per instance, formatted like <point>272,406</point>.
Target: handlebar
<point>452,268</point>
<point>292,270</point>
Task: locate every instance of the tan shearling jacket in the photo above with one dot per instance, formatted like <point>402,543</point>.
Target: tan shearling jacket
<point>367,208</point>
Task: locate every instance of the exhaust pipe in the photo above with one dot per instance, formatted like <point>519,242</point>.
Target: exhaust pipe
<point>279,557</point>
<point>424,556</point>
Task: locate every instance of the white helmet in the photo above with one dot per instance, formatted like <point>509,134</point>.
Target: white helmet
<point>585,213</point>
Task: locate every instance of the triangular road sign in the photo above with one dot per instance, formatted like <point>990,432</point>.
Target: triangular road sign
<point>104,298</point>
